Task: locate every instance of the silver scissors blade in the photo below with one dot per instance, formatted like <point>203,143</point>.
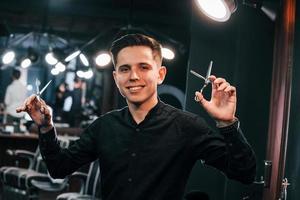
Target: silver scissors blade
<point>208,73</point>
<point>197,75</point>
<point>37,86</point>
<point>44,88</point>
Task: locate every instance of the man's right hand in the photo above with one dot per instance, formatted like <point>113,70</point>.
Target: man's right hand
<point>38,111</point>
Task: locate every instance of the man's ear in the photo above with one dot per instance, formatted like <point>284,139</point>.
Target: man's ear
<point>115,78</point>
<point>162,74</point>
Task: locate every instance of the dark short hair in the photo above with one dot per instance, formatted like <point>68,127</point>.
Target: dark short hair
<point>137,39</point>
<point>16,73</point>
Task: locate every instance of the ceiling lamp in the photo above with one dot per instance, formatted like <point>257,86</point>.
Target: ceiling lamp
<point>54,71</point>
<point>72,56</point>
<point>218,10</point>
<point>26,63</point>
<point>102,59</point>
<point>50,59</point>
<point>8,57</point>
<point>60,67</point>
<point>85,74</point>
<point>168,53</point>
<point>84,60</point>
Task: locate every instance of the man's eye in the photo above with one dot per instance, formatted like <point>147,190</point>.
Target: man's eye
<point>144,66</point>
<point>124,69</point>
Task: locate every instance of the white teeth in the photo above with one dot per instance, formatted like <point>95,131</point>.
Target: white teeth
<point>132,89</point>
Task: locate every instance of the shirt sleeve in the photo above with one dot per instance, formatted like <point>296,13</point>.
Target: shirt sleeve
<point>227,151</point>
<point>64,161</point>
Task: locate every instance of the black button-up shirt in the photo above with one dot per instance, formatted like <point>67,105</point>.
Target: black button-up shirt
<point>151,160</point>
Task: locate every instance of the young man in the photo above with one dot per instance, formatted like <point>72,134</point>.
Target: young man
<point>147,149</point>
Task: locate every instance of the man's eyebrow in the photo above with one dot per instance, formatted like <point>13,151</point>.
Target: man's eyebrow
<point>144,63</point>
<point>125,65</point>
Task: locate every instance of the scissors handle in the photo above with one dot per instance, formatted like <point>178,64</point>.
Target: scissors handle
<point>204,86</point>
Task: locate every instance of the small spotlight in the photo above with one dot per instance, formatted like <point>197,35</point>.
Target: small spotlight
<point>80,74</point>
<point>8,57</point>
<point>89,74</point>
<point>26,63</point>
<point>218,10</point>
<point>60,67</point>
<point>50,59</point>
<point>84,60</point>
<point>72,56</point>
<point>168,53</point>
<point>85,74</point>
<point>102,59</point>
<point>54,71</point>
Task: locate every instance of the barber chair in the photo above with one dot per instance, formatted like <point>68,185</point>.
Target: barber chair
<point>90,185</point>
<point>25,183</point>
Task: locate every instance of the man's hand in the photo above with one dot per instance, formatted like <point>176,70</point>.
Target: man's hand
<point>38,111</point>
<point>222,105</point>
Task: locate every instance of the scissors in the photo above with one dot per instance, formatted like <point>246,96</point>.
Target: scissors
<point>37,84</point>
<point>206,78</point>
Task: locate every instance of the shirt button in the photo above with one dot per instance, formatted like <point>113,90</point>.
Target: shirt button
<point>133,154</point>
<point>129,179</point>
<point>137,130</point>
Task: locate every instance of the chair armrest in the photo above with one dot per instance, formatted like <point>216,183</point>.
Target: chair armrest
<point>82,178</point>
<point>38,177</point>
<point>79,175</point>
<point>22,154</point>
<point>45,183</point>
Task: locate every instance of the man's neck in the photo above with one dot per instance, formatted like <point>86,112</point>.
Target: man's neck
<point>140,111</point>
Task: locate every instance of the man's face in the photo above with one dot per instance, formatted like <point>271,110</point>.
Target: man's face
<point>137,74</point>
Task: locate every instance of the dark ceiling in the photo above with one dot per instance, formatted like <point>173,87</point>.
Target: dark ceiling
<point>84,19</point>
<point>79,21</point>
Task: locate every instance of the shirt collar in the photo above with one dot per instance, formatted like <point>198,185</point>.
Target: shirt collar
<point>151,113</point>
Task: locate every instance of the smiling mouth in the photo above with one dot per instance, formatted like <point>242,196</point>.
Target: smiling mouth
<point>135,88</point>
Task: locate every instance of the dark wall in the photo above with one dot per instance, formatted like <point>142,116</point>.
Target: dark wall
<point>293,148</point>
<point>242,51</point>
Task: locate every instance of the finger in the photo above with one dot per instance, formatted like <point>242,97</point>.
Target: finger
<point>30,100</point>
<point>47,111</point>
<point>201,98</point>
<point>218,84</point>
<point>26,104</point>
<point>21,109</point>
<point>42,101</point>
<point>212,78</point>
<point>42,109</point>
<point>222,86</point>
<point>230,89</point>
<point>219,81</point>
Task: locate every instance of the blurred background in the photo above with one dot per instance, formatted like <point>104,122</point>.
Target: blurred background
<point>256,49</point>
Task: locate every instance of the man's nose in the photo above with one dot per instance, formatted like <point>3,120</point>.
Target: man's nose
<point>134,75</point>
